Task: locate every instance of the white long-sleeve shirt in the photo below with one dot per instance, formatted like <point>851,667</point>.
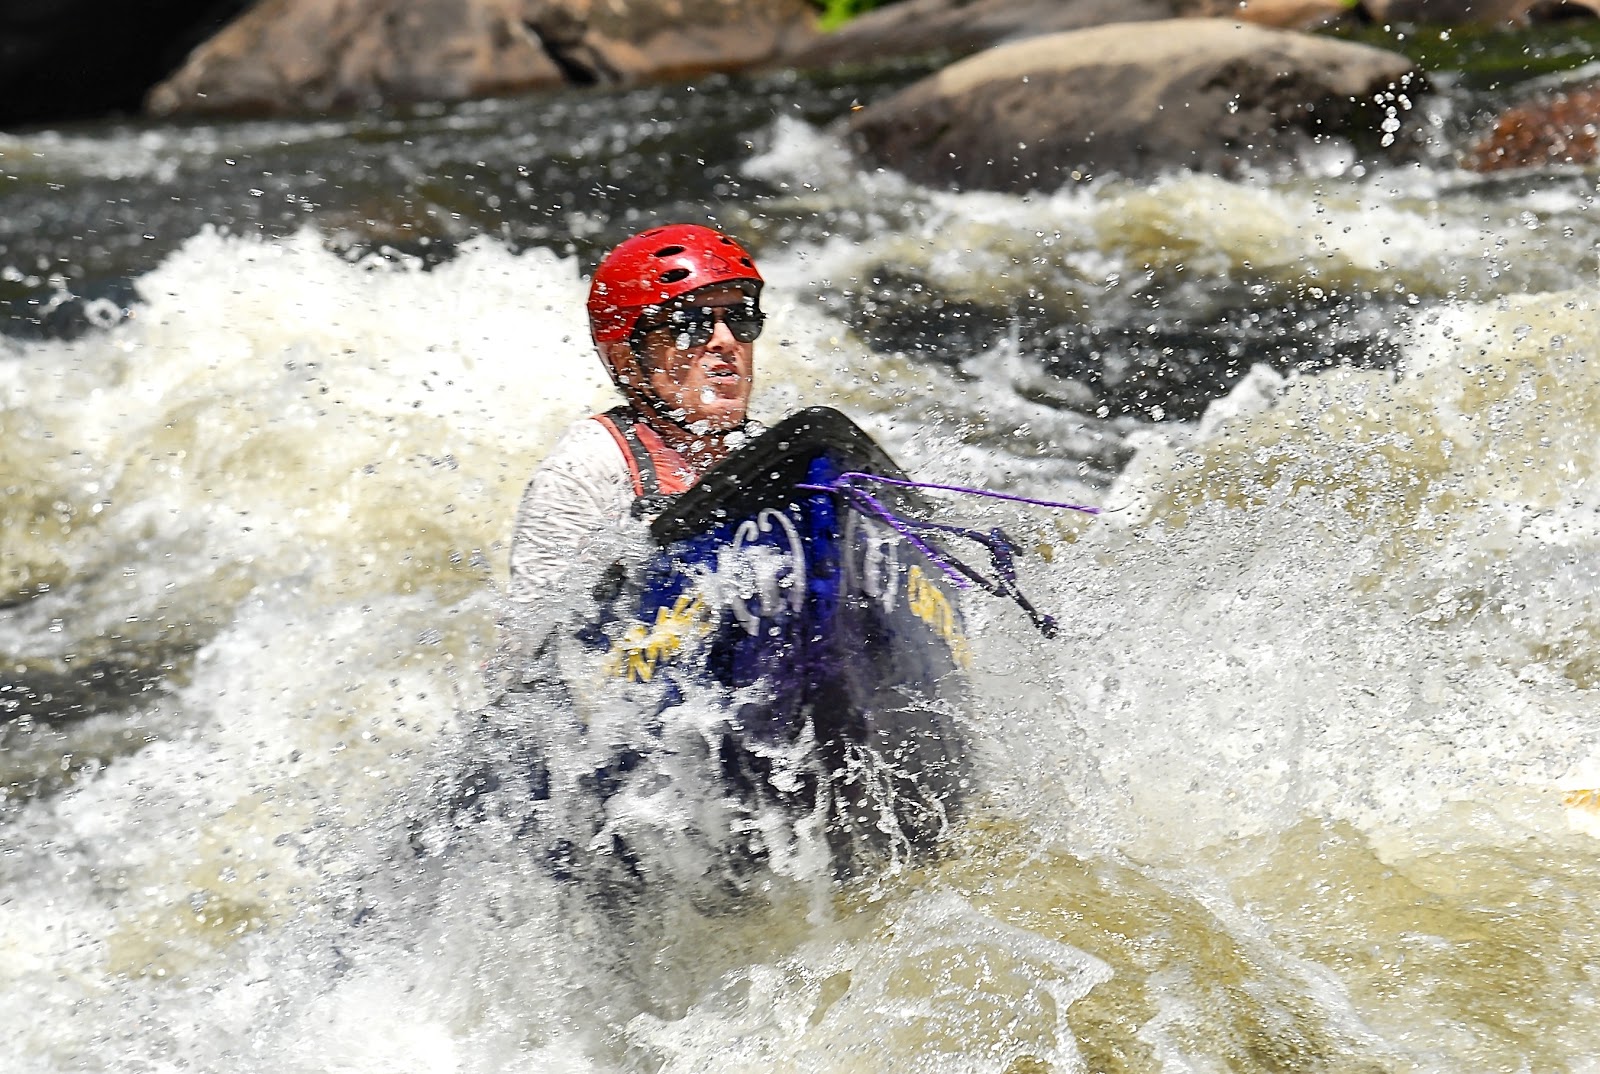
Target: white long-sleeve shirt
<point>573,523</point>
<point>574,515</point>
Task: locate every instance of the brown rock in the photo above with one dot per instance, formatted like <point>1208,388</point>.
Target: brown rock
<point>654,39</point>
<point>321,55</point>
<point>1194,93</point>
<point>955,28</point>
<point>1561,129</point>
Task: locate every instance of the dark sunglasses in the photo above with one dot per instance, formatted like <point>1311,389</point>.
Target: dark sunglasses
<point>693,326</point>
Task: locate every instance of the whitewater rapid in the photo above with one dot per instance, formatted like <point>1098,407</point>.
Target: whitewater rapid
<point>1306,783</point>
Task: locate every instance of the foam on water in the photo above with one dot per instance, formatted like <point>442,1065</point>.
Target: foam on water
<point>141,152</point>
<point>1293,791</point>
<point>1421,527</point>
<point>1406,231</point>
<point>1341,640</point>
<point>287,481</point>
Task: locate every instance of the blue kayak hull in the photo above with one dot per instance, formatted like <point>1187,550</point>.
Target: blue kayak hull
<point>815,621</point>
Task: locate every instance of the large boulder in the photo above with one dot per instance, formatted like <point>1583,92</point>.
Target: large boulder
<point>1205,94</point>
<point>321,55</point>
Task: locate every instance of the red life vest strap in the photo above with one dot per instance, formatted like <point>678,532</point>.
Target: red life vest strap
<point>655,468</point>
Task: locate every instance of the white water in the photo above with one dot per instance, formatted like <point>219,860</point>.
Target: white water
<point>1299,789</point>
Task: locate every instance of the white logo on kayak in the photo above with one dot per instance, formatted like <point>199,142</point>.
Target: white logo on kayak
<point>760,577</point>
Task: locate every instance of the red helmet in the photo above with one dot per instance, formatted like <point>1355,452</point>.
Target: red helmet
<point>657,266</point>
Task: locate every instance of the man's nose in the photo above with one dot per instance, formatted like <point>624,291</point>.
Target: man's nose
<point>722,335</point>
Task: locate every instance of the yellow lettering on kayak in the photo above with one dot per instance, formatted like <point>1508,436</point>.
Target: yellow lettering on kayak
<point>929,603</point>
<point>1585,800</point>
<point>643,649</point>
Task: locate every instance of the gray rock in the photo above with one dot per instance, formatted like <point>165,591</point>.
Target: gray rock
<point>1133,99</point>
<point>956,28</point>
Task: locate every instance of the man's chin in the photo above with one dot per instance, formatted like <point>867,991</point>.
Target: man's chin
<point>717,419</point>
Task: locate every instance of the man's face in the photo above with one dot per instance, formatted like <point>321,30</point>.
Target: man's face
<point>708,383</point>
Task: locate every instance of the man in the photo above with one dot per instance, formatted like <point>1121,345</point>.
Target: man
<point>674,312</point>
<point>646,767</point>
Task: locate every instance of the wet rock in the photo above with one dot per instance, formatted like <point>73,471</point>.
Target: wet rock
<point>1560,129</point>
<point>1479,12</point>
<point>956,28</point>
<point>287,56</point>
<point>1203,94</point>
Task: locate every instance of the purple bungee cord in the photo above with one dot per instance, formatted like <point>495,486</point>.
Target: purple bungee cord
<point>845,478</point>
<point>999,546</point>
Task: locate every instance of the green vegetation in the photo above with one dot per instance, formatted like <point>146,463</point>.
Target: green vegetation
<point>835,13</point>
<point>1490,59</point>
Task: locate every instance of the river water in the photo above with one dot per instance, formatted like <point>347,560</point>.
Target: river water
<point>1310,780</point>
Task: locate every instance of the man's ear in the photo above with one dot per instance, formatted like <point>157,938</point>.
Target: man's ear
<point>620,357</point>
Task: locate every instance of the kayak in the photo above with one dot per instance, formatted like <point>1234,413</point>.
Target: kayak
<point>781,670</point>
<point>818,621</point>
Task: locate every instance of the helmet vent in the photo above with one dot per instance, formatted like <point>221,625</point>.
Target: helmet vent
<point>668,251</point>
<point>674,275</point>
